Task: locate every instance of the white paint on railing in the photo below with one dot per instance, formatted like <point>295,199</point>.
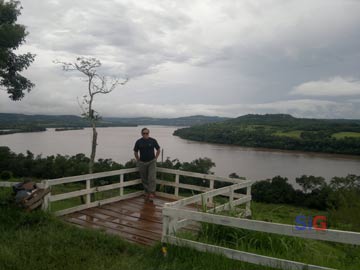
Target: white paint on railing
<point>263,226</point>
<point>7,184</point>
<point>227,191</point>
<point>212,193</point>
<point>243,256</point>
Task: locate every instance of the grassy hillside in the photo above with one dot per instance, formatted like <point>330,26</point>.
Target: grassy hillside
<point>40,241</point>
<point>281,131</point>
<point>21,121</point>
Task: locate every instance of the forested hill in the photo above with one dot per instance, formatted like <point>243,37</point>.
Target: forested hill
<point>281,131</point>
<point>179,121</point>
<point>10,120</point>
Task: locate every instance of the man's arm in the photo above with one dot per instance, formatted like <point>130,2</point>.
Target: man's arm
<point>136,154</point>
<point>157,153</point>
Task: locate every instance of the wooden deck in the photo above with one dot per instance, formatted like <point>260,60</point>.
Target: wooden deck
<point>133,219</point>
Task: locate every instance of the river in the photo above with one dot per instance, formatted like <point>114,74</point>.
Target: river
<point>253,163</point>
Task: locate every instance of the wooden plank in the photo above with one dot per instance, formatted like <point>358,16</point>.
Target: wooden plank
<point>139,215</point>
<point>157,203</point>
<point>213,193</point>
<point>199,175</point>
<point>168,196</point>
<point>121,182</point>
<point>263,226</point>
<point>187,222</point>
<point>177,181</point>
<point>34,197</point>
<point>183,186</point>
<point>8,184</point>
<point>98,203</point>
<point>132,211</point>
<point>35,205</point>
<point>134,205</point>
<point>131,206</point>
<point>126,236</point>
<point>131,183</point>
<point>226,206</point>
<point>142,229</point>
<point>84,177</point>
<point>243,256</point>
<point>141,218</point>
<point>68,195</point>
<point>159,199</point>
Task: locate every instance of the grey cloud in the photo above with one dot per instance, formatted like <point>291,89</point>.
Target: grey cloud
<point>336,86</point>
<point>212,53</point>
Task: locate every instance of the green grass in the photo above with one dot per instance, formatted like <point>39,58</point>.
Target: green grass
<point>38,240</point>
<point>342,135</point>
<point>335,255</point>
<point>281,213</point>
<point>293,134</point>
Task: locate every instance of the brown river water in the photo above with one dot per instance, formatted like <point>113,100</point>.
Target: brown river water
<point>253,163</point>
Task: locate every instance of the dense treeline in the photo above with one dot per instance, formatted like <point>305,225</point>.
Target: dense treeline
<point>263,131</point>
<point>339,196</point>
<point>16,121</point>
<point>50,167</point>
<point>23,129</point>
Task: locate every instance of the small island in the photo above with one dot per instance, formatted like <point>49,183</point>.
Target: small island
<point>68,128</point>
<point>22,130</point>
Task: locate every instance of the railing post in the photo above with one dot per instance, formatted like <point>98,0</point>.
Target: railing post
<point>121,183</point>
<point>46,200</point>
<point>169,225</point>
<point>165,228</point>
<point>231,199</point>
<point>211,186</point>
<point>88,196</point>
<point>177,182</point>
<point>248,204</point>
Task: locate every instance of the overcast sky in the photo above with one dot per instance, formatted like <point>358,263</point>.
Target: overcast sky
<point>225,58</point>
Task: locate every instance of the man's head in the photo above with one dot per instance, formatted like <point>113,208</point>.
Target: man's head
<point>145,133</point>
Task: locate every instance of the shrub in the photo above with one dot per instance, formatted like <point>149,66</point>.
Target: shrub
<point>6,175</point>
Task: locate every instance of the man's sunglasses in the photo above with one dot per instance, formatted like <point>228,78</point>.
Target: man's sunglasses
<point>145,133</point>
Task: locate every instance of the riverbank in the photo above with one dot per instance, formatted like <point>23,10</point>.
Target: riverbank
<point>253,163</point>
<point>22,130</point>
<point>280,132</point>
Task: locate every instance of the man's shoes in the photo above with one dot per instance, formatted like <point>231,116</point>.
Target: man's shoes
<point>149,197</point>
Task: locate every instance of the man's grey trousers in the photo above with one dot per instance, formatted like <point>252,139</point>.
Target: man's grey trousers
<point>148,175</point>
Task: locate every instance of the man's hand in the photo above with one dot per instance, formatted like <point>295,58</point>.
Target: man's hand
<point>136,154</point>
<point>157,153</point>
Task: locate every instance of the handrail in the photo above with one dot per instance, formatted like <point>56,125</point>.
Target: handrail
<point>199,175</point>
<point>175,216</point>
<point>209,194</point>
<point>86,192</point>
<point>7,184</point>
<point>83,177</point>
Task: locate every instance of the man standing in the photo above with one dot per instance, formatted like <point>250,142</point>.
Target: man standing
<point>147,162</point>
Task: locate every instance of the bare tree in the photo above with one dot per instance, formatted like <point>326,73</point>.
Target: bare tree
<point>96,84</point>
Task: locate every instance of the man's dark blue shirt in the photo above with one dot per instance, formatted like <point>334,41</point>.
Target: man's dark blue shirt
<point>146,148</point>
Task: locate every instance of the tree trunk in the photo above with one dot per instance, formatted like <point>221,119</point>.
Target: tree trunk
<point>93,146</point>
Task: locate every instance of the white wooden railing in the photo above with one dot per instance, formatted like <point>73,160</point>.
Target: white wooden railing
<point>7,184</point>
<point>89,189</point>
<point>176,216</point>
<point>91,201</point>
